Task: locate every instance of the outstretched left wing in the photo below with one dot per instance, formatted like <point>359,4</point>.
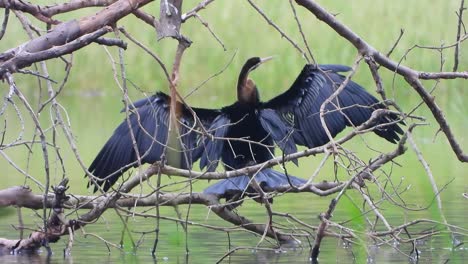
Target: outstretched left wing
<point>149,124</point>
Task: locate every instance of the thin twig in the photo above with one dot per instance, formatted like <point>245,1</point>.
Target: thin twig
<point>193,90</point>
<point>204,23</point>
<point>5,22</point>
<point>283,34</point>
<point>457,47</point>
<point>299,26</point>
<point>195,10</point>
<point>412,76</point>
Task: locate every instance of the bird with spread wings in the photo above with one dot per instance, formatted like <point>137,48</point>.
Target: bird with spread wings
<point>245,132</point>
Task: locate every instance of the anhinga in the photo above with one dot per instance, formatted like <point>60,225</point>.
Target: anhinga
<point>250,128</point>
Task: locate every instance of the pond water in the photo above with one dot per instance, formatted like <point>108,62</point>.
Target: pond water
<point>94,121</point>
<point>209,246</point>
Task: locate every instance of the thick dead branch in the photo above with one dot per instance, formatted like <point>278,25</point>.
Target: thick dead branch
<point>45,13</point>
<point>147,18</point>
<point>23,197</point>
<point>54,228</point>
<point>25,59</point>
<point>55,225</point>
<point>20,196</point>
<point>439,116</point>
<point>111,42</point>
<point>63,34</point>
<point>169,19</point>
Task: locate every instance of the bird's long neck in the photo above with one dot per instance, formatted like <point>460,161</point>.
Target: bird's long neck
<point>246,90</point>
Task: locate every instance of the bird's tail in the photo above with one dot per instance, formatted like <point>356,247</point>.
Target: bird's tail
<point>240,185</point>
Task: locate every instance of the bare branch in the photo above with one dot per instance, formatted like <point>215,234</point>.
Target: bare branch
<point>169,19</point>
<point>457,47</point>
<point>129,200</point>
<point>5,22</point>
<point>411,76</point>
<point>396,43</point>
<point>204,23</point>
<point>325,217</point>
<point>279,30</point>
<point>46,46</point>
<point>194,11</point>
<point>44,13</point>
<point>24,58</point>
<point>111,42</point>
<point>147,18</point>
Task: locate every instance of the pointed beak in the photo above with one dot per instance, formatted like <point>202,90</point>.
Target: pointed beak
<point>263,60</point>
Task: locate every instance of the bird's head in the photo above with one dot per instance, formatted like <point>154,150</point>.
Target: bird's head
<point>246,88</point>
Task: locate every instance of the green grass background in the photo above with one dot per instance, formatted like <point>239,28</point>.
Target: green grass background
<point>93,100</point>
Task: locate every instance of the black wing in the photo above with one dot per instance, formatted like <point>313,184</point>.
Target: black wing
<point>300,106</point>
<point>281,132</point>
<point>149,122</point>
<point>210,148</point>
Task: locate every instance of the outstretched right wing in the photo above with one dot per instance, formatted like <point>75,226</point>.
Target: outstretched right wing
<point>300,106</point>
<point>149,123</point>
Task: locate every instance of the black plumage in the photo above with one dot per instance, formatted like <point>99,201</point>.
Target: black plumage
<point>251,129</point>
<point>149,122</point>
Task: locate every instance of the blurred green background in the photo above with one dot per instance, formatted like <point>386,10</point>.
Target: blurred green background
<point>92,99</point>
